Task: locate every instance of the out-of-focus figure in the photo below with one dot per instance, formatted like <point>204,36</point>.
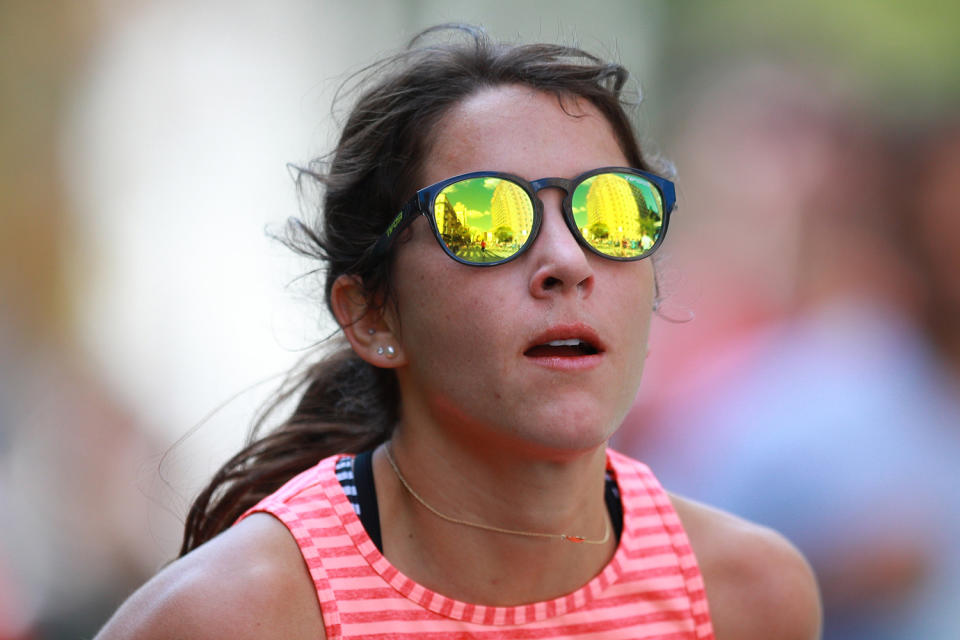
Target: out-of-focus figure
<point>74,525</point>
<point>838,422</point>
<point>15,623</point>
<point>937,218</point>
<point>77,528</point>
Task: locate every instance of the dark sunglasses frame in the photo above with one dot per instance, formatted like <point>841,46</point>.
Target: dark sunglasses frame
<point>422,203</point>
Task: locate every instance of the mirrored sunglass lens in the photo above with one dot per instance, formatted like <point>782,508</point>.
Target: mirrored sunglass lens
<point>483,219</point>
<point>618,214</point>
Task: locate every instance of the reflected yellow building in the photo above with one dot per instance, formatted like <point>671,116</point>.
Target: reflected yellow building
<point>611,201</point>
<point>510,207</point>
<point>444,211</point>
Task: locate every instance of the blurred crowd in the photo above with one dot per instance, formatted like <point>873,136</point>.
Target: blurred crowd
<point>76,467</point>
<point>817,388</point>
<point>804,367</point>
<point>77,535</point>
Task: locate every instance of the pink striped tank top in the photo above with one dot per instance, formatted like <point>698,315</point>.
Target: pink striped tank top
<point>651,589</point>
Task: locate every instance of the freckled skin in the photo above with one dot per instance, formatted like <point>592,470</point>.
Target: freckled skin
<point>464,329</point>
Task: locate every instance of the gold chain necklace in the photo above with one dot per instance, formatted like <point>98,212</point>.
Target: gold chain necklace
<point>487,527</point>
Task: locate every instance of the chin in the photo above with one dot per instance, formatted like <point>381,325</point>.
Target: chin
<point>546,430</point>
<point>566,436</point>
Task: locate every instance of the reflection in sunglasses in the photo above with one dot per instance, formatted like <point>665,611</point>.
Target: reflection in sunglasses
<point>618,214</point>
<point>484,219</point>
<point>488,219</point>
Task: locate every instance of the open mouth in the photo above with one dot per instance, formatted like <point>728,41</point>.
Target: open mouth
<point>569,348</point>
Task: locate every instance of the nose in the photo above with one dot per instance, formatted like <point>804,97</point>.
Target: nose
<point>560,264</point>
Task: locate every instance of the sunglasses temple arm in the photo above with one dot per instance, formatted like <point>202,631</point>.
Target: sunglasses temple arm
<point>669,191</point>
<point>407,215</point>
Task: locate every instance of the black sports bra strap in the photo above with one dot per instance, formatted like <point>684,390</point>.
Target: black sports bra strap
<point>367,497</point>
<point>370,514</point>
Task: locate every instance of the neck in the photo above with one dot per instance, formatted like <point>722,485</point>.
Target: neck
<point>565,537</point>
<point>502,491</point>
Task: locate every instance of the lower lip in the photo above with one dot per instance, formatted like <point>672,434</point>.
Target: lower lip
<point>567,363</point>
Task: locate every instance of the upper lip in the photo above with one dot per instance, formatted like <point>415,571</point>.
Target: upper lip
<point>577,330</point>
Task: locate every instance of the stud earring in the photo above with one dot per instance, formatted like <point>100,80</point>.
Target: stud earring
<point>388,351</point>
<point>371,331</point>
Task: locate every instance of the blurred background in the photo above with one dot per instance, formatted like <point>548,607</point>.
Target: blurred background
<point>804,364</point>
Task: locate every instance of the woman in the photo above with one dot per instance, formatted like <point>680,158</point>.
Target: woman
<point>495,344</point>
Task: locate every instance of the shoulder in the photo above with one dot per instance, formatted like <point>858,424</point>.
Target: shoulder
<point>758,584</point>
<point>248,582</point>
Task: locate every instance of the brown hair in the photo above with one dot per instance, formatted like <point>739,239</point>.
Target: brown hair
<point>348,405</point>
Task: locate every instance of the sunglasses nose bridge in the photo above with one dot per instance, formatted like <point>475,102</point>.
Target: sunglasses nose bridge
<point>551,183</point>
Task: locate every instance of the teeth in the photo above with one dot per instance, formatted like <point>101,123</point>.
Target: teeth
<point>572,342</point>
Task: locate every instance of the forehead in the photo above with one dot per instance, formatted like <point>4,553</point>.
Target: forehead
<point>522,131</point>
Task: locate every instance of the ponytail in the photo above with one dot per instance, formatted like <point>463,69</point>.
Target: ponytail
<point>348,406</point>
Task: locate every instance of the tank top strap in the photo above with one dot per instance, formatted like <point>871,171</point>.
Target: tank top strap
<point>653,529</point>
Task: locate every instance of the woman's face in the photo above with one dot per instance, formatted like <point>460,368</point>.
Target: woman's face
<point>474,339</point>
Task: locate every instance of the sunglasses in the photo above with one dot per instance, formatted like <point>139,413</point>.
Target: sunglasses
<point>487,218</point>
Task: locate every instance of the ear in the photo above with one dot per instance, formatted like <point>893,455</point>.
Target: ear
<point>365,326</point>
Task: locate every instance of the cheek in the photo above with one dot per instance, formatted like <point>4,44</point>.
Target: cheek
<point>444,313</point>
<point>632,316</point>
<point>455,367</point>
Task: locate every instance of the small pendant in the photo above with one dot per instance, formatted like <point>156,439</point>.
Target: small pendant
<point>574,538</point>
